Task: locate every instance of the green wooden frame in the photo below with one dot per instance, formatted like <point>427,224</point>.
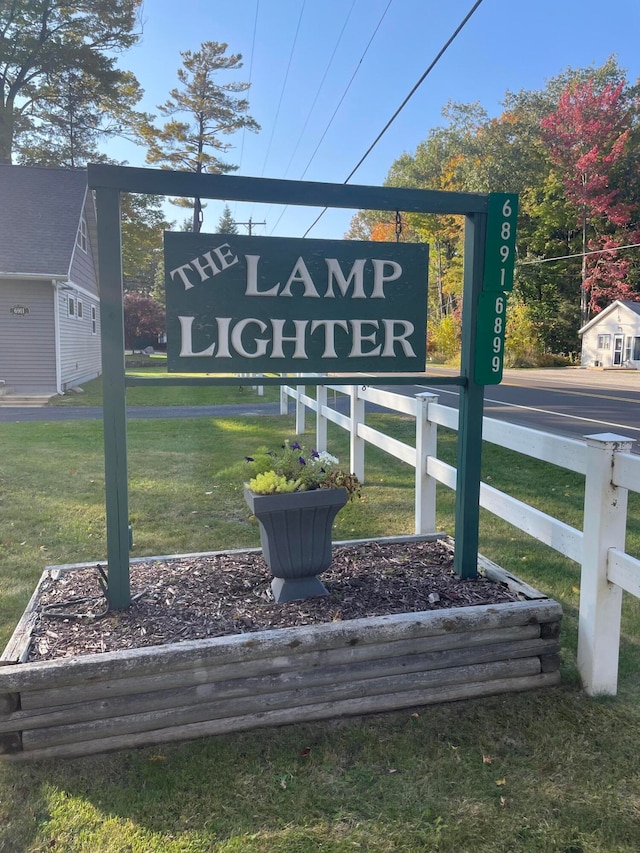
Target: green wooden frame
<point>109,181</point>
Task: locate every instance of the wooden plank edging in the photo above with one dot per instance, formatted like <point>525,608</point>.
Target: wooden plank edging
<point>213,669</point>
<point>243,685</point>
<point>283,716</point>
<point>299,698</point>
<point>262,644</point>
<point>151,695</point>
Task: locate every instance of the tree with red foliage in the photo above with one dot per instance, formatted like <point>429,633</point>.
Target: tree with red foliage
<point>586,137</point>
<point>144,320</point>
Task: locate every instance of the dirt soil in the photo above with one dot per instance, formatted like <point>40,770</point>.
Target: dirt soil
<point>214,596</point>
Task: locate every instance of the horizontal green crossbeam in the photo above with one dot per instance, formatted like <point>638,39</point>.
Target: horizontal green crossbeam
<point>272,191</point>
<point>180,379</point>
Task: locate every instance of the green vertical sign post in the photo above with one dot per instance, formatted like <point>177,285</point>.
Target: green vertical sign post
<point>488,275</point>
<point>497,280</point>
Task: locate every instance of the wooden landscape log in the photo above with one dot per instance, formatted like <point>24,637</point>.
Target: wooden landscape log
<point>8,701</point>
<point>17,649</point>
<point>134,663</point>
<point>163,673</point>
<point>283,716</point>
<point>157,694</point>
<point>262,702</point>
<point>249,686</point>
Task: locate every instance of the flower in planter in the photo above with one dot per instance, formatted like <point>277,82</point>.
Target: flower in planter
<point>292,468</point>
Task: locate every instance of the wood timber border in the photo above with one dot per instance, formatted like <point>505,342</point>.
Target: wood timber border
<point>137,697</point>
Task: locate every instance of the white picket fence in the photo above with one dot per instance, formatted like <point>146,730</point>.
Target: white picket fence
<point>606,461</point>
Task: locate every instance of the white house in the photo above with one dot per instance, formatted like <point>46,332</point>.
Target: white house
<point>49,298</point>
<point>612,337</point>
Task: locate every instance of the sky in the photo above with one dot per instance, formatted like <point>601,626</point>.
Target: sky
<point>327,75</point>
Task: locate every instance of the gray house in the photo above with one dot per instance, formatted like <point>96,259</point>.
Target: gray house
<point>49,302</point>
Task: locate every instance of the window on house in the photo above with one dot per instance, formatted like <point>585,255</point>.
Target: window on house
<point>604,341</point>
<point>636,349</point>
<point>94,323</point>
<point>628,342</point>
<point>71,306</point>
<point>81,239</point>
<point>79,310</point>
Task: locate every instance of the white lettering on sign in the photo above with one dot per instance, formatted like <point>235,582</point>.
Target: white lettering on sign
<point>368,337</point>
<point>206,266</point>
<point>286,302</point>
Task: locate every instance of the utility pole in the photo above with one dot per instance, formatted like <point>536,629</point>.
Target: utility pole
<point>249,225</point>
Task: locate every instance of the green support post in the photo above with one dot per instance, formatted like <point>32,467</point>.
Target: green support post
<point>114,396</point>
<point>469,459</point>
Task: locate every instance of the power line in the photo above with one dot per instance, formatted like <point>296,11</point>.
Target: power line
<point>344,94</point>
<point>439,56</point>
<point>253,47</point>
<point>306,121</point>
<point>578,255</point>
<point>284,85</point>
<point>324,77</point>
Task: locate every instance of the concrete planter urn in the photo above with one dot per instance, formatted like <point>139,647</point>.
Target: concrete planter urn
<point>295,534</point>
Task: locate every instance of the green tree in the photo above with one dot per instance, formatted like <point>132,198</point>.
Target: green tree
<point>202,112</point>
<point>143,223</point>
<point>226,223</point>
<point>74,113</point>
<point>41,39</point>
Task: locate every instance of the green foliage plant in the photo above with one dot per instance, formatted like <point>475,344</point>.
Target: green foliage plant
<point>292,468</point>
<point>522,345</point>
<point>444,340</point>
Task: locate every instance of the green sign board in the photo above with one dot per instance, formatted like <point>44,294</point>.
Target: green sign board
<point>499,261</point>
<point>239,304</point>
<point>491,321</point>
<point>500,247</point>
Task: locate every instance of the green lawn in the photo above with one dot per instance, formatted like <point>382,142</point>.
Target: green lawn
<point>550,771</point>
<point>156,366</point>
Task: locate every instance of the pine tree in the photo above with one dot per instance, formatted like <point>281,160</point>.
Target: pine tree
<point>201,112</point>
<point>226,223</point>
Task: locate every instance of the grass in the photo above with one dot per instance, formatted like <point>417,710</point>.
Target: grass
<point>156,366</point>
<point>549,771</point>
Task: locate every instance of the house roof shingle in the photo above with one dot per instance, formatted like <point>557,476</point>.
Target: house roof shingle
<point>39,216</point>
<point>633,306</point>
<point>625,303</point>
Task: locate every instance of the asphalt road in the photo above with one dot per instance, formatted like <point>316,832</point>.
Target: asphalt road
<point>567,401</point>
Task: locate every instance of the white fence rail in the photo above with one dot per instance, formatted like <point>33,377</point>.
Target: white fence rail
<point>610,471</point>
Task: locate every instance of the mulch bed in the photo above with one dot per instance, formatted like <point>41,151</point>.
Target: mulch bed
<point>214,596</point>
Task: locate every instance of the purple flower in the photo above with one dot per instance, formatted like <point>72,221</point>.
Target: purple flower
<point>315,454</point>
<point>249,459</point>
<point>301,460</point>
<point>295,446</point>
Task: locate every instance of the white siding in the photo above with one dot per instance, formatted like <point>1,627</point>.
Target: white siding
<point>619,322</point>
<point>80,357</point>
<point>84,264</point>
<point>27,343</point>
